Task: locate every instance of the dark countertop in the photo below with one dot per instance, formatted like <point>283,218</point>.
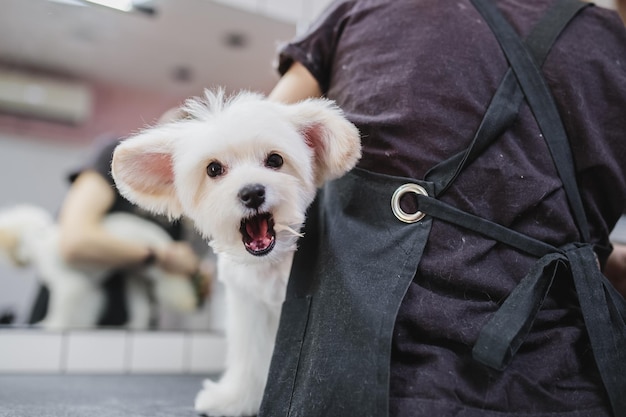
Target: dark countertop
<point>98,395</point>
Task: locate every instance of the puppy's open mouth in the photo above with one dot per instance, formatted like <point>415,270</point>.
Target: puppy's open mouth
<point>258,234</point>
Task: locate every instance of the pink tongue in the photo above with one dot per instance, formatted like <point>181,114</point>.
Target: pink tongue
<point>257,229</point>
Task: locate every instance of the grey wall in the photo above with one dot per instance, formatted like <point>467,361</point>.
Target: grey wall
<point>31,171</point>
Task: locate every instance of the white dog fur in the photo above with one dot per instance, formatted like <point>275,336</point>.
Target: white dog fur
<point>76,295</point>
<point>245,170</point>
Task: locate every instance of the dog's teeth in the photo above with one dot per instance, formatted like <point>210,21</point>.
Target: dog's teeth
<point>260,244</point>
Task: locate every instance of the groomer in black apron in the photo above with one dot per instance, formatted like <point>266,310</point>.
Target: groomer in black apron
<point>455,272</point>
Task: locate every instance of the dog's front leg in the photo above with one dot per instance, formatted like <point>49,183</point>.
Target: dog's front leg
<point>75,302</point>
<point>138,302</point>
<point>251,330</point>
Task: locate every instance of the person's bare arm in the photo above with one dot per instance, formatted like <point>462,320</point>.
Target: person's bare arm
<point>621,8</point>
<point>8,240</point>
<point>615,269</point>
<point>9,243</point>
<point>295,85</point>
<point>82,238</point>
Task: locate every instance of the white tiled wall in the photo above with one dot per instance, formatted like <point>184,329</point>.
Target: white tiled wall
<point>95,352</point>
<point>206,354</point>
<point>30,352</point>
<point>111,352</point>
<point>160,352</point>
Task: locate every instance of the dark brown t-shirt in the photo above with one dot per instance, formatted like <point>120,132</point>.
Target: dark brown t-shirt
<point>101,164</point>
<point>416,77</point>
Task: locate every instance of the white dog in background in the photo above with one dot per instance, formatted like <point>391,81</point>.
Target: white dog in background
<point>245,170</point>
<point>76,296</point>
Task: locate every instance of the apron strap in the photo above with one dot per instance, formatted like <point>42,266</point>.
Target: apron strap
<point>444,211</point>
<point>604,315</point>
<point>602,308</point>
<point>506,330</point>
<point>542,105</point>
<point>504,106</point>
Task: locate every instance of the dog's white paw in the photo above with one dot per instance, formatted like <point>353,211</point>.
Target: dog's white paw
<point>208,384</point>
<point>217,400</point>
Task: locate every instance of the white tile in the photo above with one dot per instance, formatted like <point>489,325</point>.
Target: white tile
<point>102,351</point>
<point>247,5</point>
<point>207,353</point>
<point>30,351</point>
<point>157,352</point>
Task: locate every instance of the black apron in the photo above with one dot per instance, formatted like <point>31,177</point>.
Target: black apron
<point>334,339</point>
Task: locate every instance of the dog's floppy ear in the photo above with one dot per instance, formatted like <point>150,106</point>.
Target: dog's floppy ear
<point>335,141</point>
<point>143,170</point>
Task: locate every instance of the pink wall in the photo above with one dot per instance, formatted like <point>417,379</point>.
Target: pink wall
<point>116,109</point>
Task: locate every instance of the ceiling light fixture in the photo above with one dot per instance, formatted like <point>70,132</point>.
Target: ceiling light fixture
<point>143,6</point>
<point>122,5</point>
<point>70,2</point>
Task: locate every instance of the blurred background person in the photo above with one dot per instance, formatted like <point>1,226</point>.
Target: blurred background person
<point>83,240</point>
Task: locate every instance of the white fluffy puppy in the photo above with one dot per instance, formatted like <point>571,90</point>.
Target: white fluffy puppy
<point>245,170</point>
<point>76,295</point>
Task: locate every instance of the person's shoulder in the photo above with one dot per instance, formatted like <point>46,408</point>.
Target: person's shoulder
<point>600,30</point>
<point>592,26</point>
<point>605,20</point>
<point>106,144</point>
<point>100,159</point>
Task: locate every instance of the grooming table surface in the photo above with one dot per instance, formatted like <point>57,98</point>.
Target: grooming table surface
<point>98,395</point>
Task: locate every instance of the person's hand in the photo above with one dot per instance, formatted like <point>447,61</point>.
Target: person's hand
<point>9,243</point>
<point>203,279</point>
<point>178,258</point>
<point>615,269</point>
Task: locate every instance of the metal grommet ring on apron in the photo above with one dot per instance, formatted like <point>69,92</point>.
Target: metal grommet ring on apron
<point>395,203</point>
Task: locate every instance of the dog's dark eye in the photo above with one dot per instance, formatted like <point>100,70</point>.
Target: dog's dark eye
<point>214,169</point>
<point>274,160</point>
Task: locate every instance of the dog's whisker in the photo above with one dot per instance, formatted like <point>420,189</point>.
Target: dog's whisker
<point>283,227</point>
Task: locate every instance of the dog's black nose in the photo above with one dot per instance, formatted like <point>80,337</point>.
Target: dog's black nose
<point>252,196</point>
